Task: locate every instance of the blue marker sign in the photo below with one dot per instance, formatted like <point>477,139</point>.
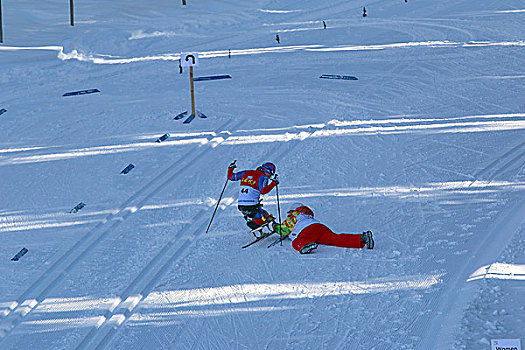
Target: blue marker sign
<point>333,76</point>
<point>212,77</point>
<point>81,92</point>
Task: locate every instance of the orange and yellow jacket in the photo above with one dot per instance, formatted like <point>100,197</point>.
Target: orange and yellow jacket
<point>295,222</point>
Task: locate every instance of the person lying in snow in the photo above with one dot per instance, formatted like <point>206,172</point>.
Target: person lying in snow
<point>307,233</point>
<point>253,184</point>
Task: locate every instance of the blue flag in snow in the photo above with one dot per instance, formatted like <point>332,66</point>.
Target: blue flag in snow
<point>81,92</point>
<point>213,77</point>
<point>163,137</point>
<point>127,169</point>
<point>333,76</point>
<point>77,207</point>
<point>20,254</point>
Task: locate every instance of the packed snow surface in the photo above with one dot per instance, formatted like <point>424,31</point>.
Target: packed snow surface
<point>426,149</point>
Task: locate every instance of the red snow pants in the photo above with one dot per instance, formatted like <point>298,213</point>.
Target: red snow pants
<point>320,234</point>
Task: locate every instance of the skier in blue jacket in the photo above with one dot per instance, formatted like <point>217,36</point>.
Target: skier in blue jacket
<point>253,184</point>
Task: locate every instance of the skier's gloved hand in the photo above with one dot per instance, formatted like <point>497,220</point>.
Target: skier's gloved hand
<point>232,165</point>
<point>278,229</point>
<point>276,179</point>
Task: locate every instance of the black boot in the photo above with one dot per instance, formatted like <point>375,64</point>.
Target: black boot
<point>367,239</point>
<point>307,248</point>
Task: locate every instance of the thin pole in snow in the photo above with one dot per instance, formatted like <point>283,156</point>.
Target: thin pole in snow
<point>278,207</point>
<point>1,35</point>
<point>219,201</point>
<point>71,13</point>
<point>217,207</point>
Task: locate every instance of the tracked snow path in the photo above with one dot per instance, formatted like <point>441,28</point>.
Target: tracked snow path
<point>102,334</point>
<point>442,331</point>
<point>41,288</point>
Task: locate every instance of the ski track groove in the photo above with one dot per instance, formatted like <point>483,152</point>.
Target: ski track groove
<point>63,265</point>
<point>488,169</point>
<point>508,164</point>
<point>496,167</point>
<point>252,323</point>
<point>502,230</point>
<point>150,268</point>
<point>435,301</point>
<point>201,220</point>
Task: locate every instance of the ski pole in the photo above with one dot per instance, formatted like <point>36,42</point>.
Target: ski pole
<point>219,201</point>
<point>278,206</point>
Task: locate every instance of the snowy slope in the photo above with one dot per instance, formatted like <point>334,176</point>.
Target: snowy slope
<point>426,149</point>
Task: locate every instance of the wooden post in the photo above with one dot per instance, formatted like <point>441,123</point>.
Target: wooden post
<point>71,13</point>
<point>192,92</point>
<point>1,35</point>
<point>191,60</point>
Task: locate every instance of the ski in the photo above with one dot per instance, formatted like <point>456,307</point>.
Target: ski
<point>260,238</point>
<point>275,242</point>
<point>263,236</point>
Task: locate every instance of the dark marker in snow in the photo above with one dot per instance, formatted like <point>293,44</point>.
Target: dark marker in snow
<point>20,254</point>
<point>127,169</point>
<point>336,76</point>
<point>213,77</point>
<point>81,92</point>
<point>201,115</point>
<point>180,115</point>
<point>77,207</point>
<point>163,137</point>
